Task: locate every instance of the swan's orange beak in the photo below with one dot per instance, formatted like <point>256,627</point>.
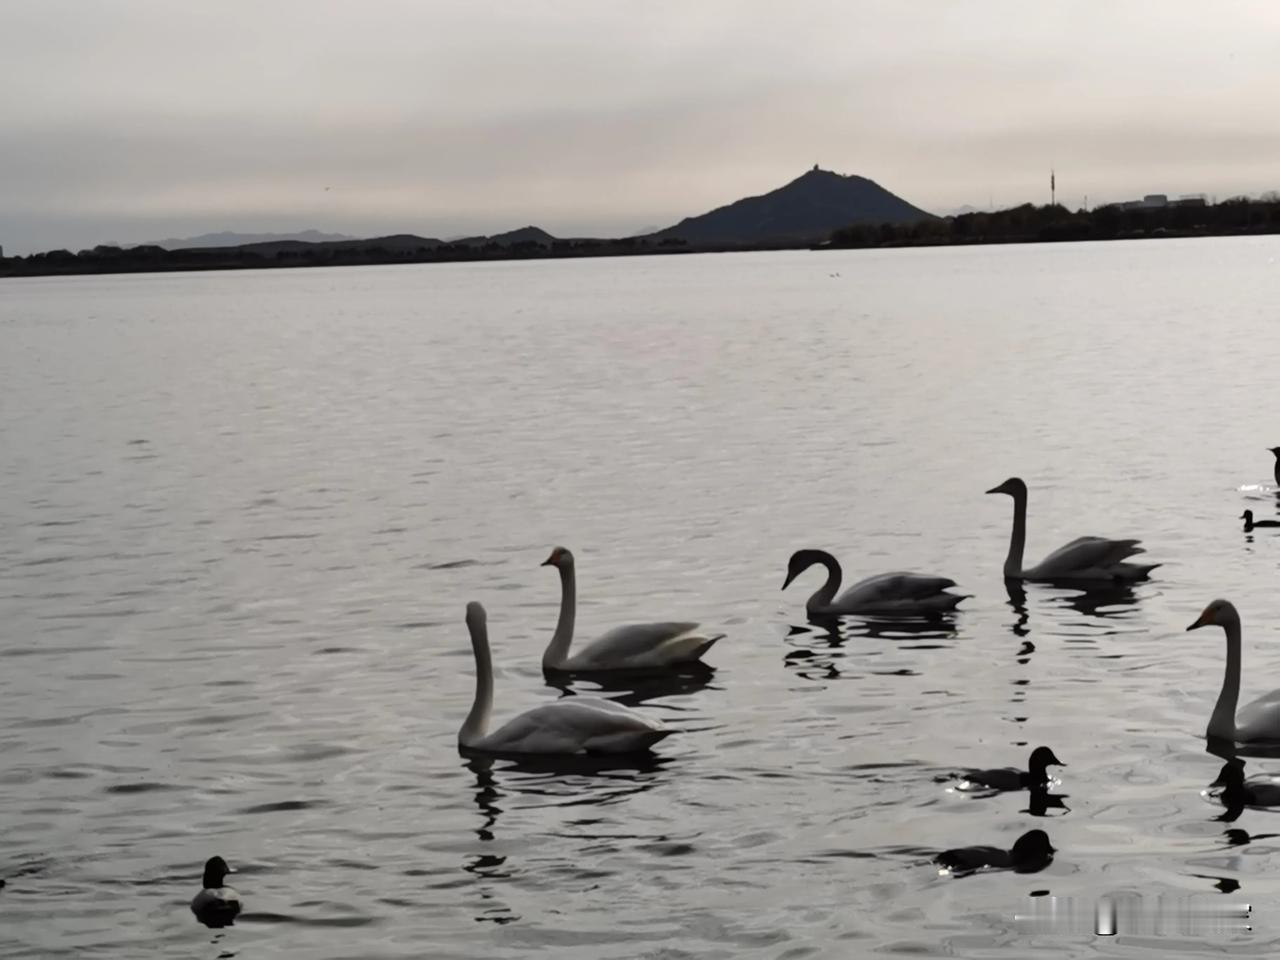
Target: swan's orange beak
<point>1201,621</point>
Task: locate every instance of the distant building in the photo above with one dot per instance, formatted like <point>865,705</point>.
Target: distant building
<point>1148,202</point>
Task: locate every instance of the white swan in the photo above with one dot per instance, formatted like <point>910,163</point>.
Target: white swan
<point>570,726</point>
<point>1256,721</point>
<point>634,646</point>
<point>1085,558</point>
<point>904,594</point>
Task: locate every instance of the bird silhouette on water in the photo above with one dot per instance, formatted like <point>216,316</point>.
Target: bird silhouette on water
<point>216,905</point>
<point>1031,852</point>
<point>1250,523</point>
<point>1011,778</point>
<point>1236,791</point>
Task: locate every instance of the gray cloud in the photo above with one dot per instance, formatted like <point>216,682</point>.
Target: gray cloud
<point>142,118</point>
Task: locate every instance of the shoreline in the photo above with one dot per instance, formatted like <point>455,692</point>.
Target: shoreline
<point>197,260</point>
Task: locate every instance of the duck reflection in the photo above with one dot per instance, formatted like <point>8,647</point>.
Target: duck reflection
<point>1040,801</point>
<point>1239,838</point>
<point>1222,884</point>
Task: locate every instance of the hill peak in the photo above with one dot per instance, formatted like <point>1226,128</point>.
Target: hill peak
<point>810,207</point>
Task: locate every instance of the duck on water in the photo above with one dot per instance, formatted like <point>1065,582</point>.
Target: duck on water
<point>1031,852</point>
<point>216,905</point>
<point>1250,523</point>
<point>1011,778</point>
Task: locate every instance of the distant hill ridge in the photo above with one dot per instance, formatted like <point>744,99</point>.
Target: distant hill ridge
<point>395,243</point>
<point>229,238</point>
<point>808,208</point>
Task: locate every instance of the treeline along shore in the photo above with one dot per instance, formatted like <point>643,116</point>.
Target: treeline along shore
<point>151,259</point>
<point>1051,224</point>
<point>1022,224</point>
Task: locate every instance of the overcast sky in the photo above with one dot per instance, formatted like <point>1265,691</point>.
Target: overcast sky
<point>135,120</point>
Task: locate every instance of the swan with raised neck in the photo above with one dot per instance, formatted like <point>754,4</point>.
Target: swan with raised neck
<point>632,646</point>
<point>1256,721</point>
<point>572,725</point>
<point>1095,559</point>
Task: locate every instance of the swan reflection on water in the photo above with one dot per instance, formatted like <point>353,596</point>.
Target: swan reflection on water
<point>546,780</point>
<point>632,688</point>
<point>818,647</point>
<point>1107,600</point>
<point>564,781</point>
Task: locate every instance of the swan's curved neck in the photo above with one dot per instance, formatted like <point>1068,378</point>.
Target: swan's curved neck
<point>1222,724</point>
<point>1018,538</point>
<point>823,596</point>
<point>477,722</point>
<point>558,649</point>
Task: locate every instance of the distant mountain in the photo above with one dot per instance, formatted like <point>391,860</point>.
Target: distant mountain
<point>228,239</point>
<point>808,208</point>
<point>523,235</point>
<point>405,243</point>
<point>396,243</point>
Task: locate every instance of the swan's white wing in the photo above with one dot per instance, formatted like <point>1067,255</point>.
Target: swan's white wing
<point>1259,719</point>
<point>898,592</point>
<point>576,725</point>
<point>641,645</point>
<point>1087,555</point>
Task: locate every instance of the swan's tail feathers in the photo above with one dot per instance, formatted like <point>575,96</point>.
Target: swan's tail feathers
<point>1135,571</point>
<point>709,642</point>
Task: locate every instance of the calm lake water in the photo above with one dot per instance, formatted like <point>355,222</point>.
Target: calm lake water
<point>241,514</point>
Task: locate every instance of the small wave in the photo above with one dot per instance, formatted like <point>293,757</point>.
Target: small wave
<point>283,806</point>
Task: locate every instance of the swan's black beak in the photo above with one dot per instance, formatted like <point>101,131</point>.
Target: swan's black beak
<point>999,489</point>
<point>791,575</point>
<point>1201,621</point>
<point>547,563</point>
